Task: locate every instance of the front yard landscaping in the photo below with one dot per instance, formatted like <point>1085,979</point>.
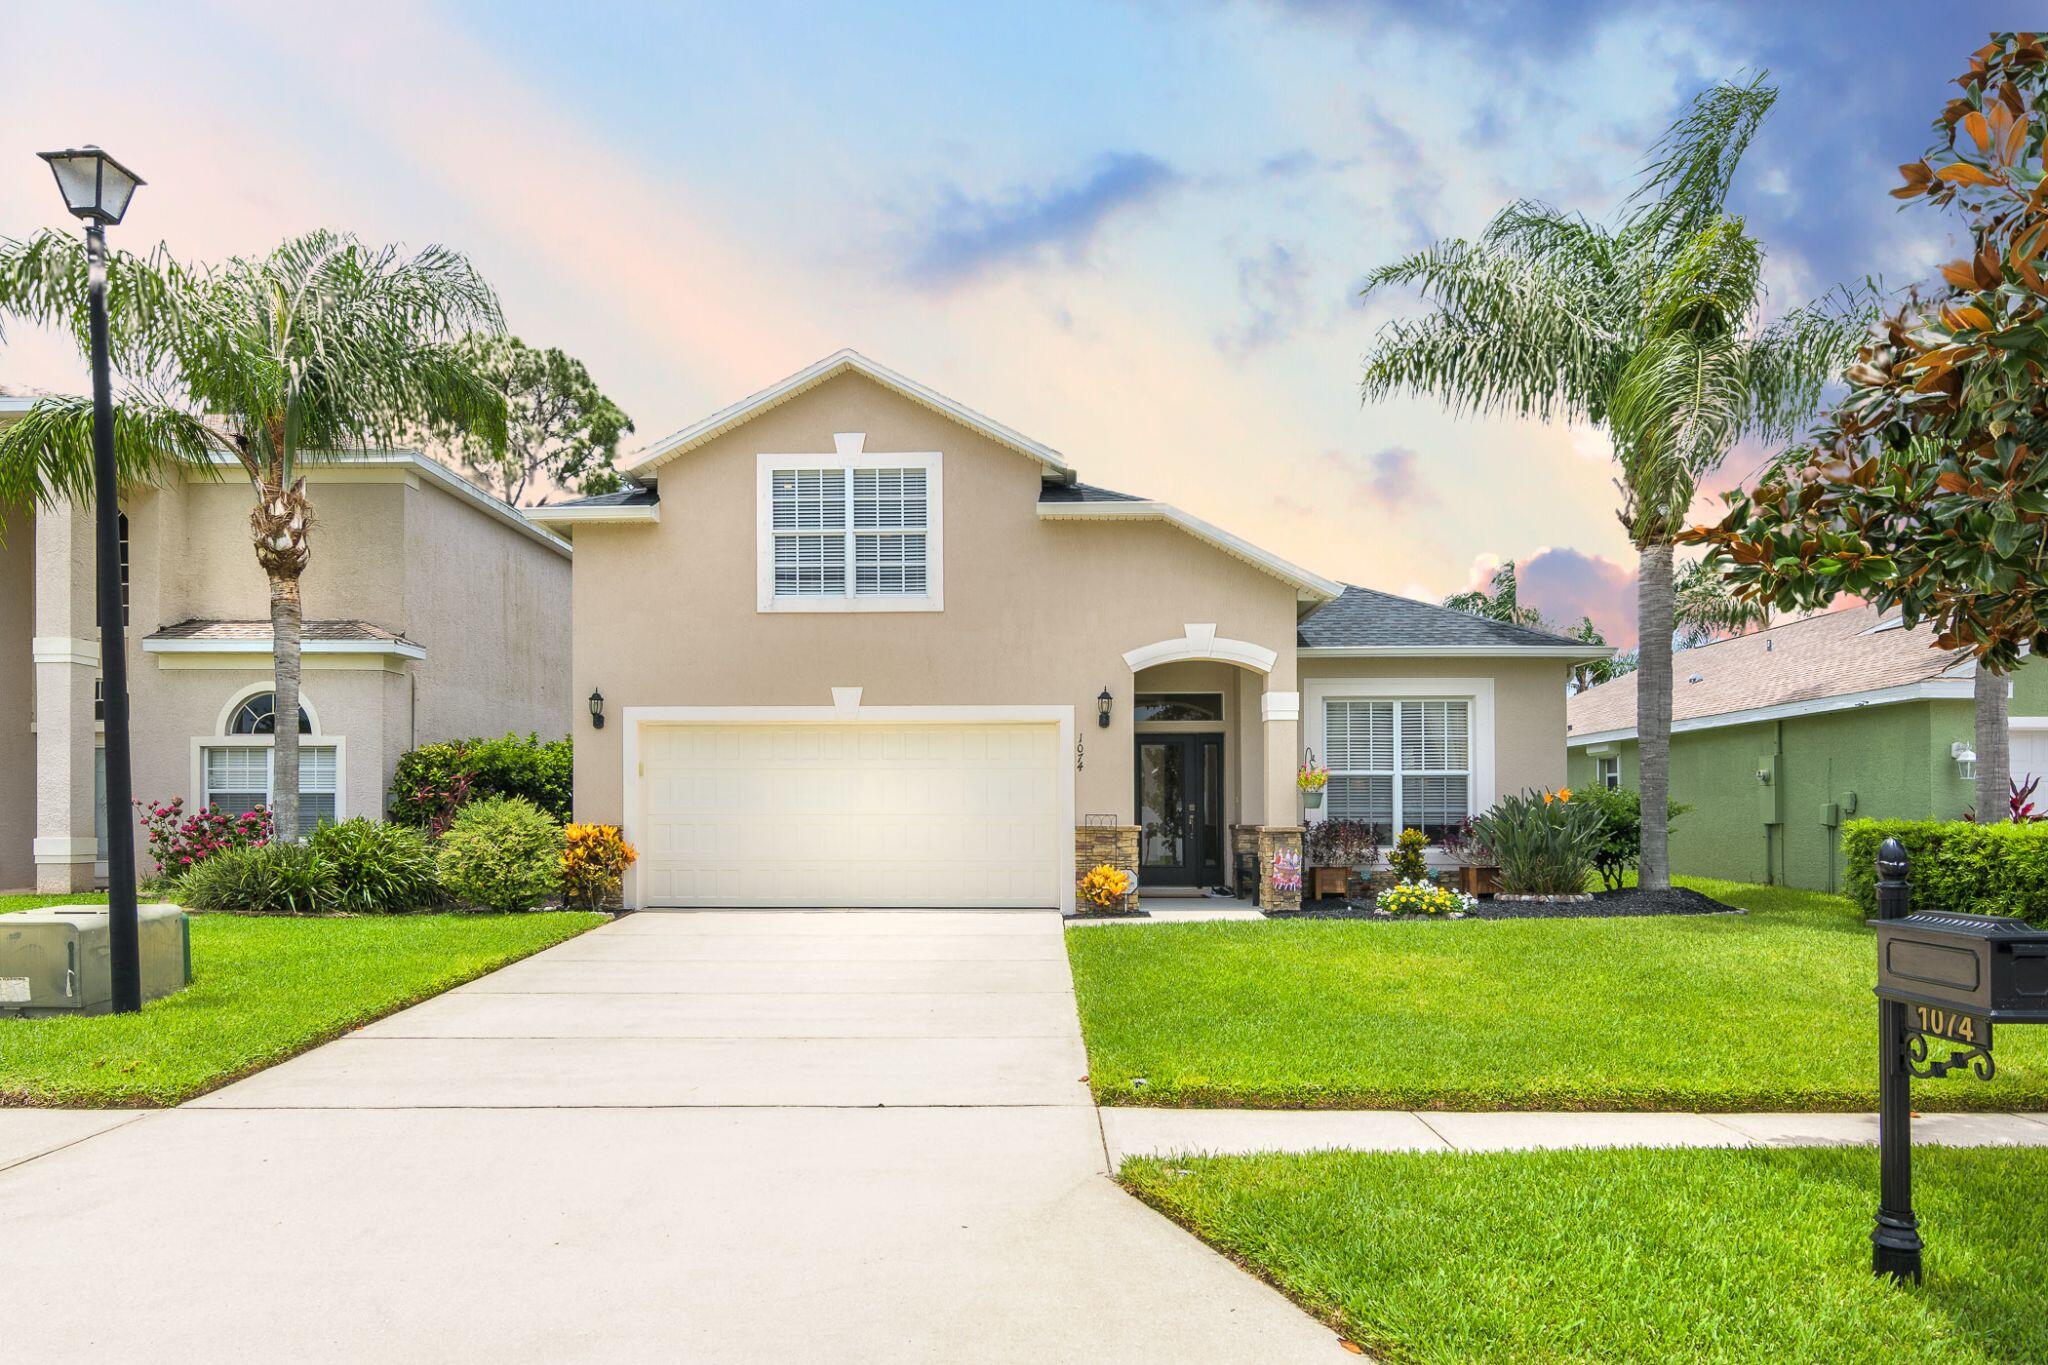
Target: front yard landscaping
<point>263,990</point>
<point>1768,1010</point>
<point>1752,1255</point>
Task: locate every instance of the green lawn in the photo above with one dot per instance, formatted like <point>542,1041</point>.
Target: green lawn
<point>1727,1255</point>
<point>1767,1010</point>
<point>264,989</point>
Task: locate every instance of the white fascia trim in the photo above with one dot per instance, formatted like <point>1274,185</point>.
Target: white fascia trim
<point>434,472</point>
<point>847,710</point>
<point>2027,723</point>
<point>9,404</point>
<point>1573,654</point>
<point>839,362</point>
<point>851,457</point>
<point>58,649</point>
<point>1310,587</point>
<point>399,649</point>
<point>1202,643</point>
<point>1944,689</point>
<point>576,516</point>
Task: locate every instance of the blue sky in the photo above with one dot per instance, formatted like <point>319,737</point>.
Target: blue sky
<point>1133,231</point>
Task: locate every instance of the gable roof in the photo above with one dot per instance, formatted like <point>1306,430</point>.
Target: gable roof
<point>1836,661</point>
<point>1081,502</point>
<point>847,361</point>
<point>633,503</point>
<point>1363,622</point>
<point>202,635</point>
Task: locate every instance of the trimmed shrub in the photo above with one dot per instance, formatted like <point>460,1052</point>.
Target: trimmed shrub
<point>1544,841</point>
<point>1409,860</point>
<point>1621,829</point>
<point>377,868</point>
<point>264,879</point>
<point>434,781</point>
<point>503,853</point>
<point>594,863</point>
<point>1957,865</point>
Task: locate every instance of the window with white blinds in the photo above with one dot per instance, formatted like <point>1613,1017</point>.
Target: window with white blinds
<point>237,780</point>
<point>1399,764</point>
<point>850,531</point>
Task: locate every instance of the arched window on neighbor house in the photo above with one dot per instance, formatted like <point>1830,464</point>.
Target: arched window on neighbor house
<point>235,766</point>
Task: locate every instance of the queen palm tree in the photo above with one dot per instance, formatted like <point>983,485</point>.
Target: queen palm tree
<point>1704,607</point>
<point>1648,327</point>
<point>321,347</point>
<point>1501,600</point>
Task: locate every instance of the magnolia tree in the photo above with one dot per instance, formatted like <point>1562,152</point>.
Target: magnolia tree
<point>1926,490</point>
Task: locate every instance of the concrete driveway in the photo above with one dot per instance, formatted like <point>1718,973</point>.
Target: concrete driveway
<point>749,1136</point>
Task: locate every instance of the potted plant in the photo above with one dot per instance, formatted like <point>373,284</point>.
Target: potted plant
<point>1335,849</point>
<point>1478,869</point>
<point>1311,779</point>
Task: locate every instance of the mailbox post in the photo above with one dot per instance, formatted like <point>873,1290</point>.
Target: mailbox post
<point>1895,1241</point>
<point>1943,979</point>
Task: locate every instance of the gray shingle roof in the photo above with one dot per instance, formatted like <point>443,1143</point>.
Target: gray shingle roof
<point>260,630</point>
<point>625,497</point>
<point>1362,618</point>
<point>1082,492</point>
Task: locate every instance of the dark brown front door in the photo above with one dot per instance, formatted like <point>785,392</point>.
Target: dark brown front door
<point>1180,810</point>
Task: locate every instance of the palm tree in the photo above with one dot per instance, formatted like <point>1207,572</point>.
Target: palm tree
<point>322,346</point>
<point>1649,328</point>
<point>1502,603</point>
<point>1704,609</point>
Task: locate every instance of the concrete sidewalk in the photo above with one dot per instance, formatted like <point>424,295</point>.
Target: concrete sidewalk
<point>1136,1131</point>
<point>718,1137</point>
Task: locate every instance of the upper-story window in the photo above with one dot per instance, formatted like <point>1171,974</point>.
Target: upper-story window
<point>855,532</point>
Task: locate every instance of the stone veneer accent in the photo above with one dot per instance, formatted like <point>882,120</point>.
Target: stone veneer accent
<point>1274,839</point>
<point>1116,845</point>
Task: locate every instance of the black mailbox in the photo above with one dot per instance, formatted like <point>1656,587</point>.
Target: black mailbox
<point>1992,967</point>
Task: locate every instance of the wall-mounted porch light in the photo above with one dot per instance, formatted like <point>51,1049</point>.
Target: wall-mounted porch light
<point>1966,760</point>
<point>596,709</point>
<point>1102,708</point>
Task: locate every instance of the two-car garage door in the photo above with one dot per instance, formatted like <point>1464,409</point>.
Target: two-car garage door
<point>852,814</point>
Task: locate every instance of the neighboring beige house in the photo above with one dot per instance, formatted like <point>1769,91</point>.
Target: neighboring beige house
<point>433,612</point>
<point>858,645</point>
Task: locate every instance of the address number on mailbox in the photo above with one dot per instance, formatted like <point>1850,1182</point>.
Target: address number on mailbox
<point>1952,1025</point>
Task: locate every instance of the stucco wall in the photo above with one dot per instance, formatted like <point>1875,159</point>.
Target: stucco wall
<point>1036,613</point>
<point>359,567</point>
<point>17,701</point>
<point>492,608</point>
<point>1528,708</point>
<point>1895,759</point>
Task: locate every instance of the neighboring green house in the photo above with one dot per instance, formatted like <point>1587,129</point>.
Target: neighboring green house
<point>1780,735</point>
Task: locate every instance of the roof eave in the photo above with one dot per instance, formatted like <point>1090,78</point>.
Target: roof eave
<point>1934,689</point>
<point>1570,654</point>
<point>1308,586</point>
<point>402,649</point>
<point>580,516</point>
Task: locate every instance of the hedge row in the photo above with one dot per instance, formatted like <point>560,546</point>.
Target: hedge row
<point>1955,865</point>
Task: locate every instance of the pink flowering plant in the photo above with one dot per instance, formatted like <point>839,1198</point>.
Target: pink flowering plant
<point>178,841</point>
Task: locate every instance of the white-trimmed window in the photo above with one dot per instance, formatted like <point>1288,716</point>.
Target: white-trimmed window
<point>1607,771</point>
<point>860,533</point>
<point>236,769</point>
<point>1399,764</point>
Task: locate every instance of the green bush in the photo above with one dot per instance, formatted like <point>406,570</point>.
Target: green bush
<point>1409,860</point>
<point>434,781</point>
<point>377,868</point>
<point>503,853</point>
<point>1621,829</point>
<point>266,879</point>
<point>1544,842</point>
<point>1955,865</point>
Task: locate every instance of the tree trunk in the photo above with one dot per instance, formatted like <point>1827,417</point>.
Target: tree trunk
<point>1993,743</point>
<point>1654,608</point>
<point>280,523</point>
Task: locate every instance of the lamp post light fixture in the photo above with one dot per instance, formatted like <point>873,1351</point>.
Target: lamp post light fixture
<point>1102,708</point>
<point>596,709</point>
<point>97,190</point>
<point>1966,760</point>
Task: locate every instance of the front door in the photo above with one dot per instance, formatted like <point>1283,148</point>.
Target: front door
<point>1180,810</point>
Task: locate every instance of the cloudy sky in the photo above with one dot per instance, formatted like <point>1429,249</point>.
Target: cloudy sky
<point>1133,231</point>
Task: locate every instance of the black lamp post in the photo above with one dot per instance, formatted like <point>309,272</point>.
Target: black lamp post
<point>1895,1241</point>
<point>97,189</point>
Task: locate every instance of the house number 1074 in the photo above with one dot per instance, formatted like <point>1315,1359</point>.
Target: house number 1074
<point>1080,754</point>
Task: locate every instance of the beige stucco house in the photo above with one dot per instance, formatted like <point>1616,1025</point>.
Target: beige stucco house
<point>433,612</point>
<point>855,644</point>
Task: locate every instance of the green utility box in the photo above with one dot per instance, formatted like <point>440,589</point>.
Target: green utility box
<point>59,960</point>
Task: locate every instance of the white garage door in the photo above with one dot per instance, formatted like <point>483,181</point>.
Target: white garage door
<point>2030,756</point>
<point>852,815</point>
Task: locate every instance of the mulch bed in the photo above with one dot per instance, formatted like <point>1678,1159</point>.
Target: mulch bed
<point>1604,905</point>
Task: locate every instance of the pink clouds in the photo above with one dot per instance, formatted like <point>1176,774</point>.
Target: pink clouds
<point>1566,584</point>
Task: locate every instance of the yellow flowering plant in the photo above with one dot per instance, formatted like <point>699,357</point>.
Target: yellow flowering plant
<point>1105,887</point>
<point>594,863</point>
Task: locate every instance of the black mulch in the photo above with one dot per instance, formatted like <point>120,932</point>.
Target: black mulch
<point>1604,905</point>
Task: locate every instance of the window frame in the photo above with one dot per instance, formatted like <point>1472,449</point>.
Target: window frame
<point>1476,692</point>
<point>1399,769</point>
<point>316,738</point>
<point>850,599</point>
<point>1602,773</point>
